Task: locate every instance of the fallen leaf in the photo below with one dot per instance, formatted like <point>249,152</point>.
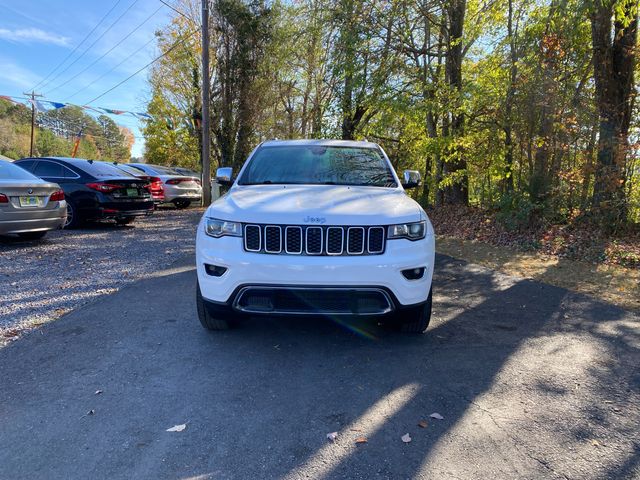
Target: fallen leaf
<point>177,428</point>
<point>595,443</point>
<point>422,424</point>
<point>332,436</point>
<point>437,416</point>
<point>361,440</point>
<point>98,392</point>
<point>406,438</point>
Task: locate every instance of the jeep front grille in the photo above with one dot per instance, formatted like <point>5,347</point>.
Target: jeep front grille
<point>314,240</point>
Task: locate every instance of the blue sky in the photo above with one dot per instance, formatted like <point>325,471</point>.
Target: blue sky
<point>37,35</point>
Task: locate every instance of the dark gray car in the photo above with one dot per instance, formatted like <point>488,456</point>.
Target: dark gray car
<point>29,206</point>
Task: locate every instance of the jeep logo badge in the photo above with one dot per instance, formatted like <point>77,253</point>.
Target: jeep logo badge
<point>320,220</point>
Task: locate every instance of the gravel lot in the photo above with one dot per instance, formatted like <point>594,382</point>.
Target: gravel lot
<point>43,280</point>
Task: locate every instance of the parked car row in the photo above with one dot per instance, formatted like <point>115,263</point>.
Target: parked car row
<point>42,194</point>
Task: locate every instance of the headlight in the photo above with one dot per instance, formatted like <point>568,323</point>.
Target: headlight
<point>412,231</point>
<point>219,228</point>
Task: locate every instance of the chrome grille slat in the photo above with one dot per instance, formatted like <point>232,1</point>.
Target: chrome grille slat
<point>353,233</point>
<point>317,238</point>
<point>329,240</point>
<point>252,238</point>
<point>293,238</point>
<point>375,238</point>
<point>333,240</point>
<point>272,239</point>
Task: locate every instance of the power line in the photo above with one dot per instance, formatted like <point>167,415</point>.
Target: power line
<point>109,71</point>
<point>176,10</point>
<point>175,45</point>
<point>92,45</point>
<point>79,45</point>
<point>106,53</point>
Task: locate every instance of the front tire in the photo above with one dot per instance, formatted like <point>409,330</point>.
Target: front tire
<point>205,317</point>
<point>416,319</point>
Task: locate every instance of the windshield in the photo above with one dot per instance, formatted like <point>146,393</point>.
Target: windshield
<point>318,165</point>
<point>131,170</point>
<point>160,170</point>
<point>102,169</point>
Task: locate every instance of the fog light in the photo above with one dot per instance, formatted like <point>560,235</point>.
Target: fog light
<point>413,273</point>
<point>215,270</point>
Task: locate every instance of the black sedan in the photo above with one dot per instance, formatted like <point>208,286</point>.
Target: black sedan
<point>94,190</point>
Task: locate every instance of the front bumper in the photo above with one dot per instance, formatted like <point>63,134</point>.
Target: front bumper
<point>370,271</point>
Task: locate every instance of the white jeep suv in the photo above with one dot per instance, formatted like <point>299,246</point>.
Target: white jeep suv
<point>315,227</point>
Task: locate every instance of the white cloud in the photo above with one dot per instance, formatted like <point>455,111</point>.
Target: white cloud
<point>33,35</point>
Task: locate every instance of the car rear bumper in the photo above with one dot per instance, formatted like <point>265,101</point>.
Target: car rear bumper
<point>32,225</point>
<point>345,273</point>
<point>121,209</point>
<point>190,198</point>
<point>106,213</point>
<point>175,192</point>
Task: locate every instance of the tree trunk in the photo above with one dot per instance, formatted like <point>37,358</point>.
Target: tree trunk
<point>508,109</point>
<point>614,61</point>
<point>587,169</point>
<point>456,166</point>
<point>539,180</point>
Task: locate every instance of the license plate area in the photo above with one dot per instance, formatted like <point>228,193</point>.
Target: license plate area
<point>30,201</point>
<point>132,192</point>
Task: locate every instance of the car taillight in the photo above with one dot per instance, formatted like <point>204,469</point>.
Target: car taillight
<point>57,196</point>
<point>3,198</point>
<point>174,181</point>
<point>197,181</point>
<point>103,187</point>
<point>155,185</point>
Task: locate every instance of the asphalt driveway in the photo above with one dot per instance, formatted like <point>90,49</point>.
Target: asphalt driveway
<point>531,381</point>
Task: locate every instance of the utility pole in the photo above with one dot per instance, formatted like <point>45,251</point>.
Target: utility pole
<point>33,96</point>
<point>206,129</point>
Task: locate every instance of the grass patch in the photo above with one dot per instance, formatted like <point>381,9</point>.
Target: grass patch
<point>611,283</point>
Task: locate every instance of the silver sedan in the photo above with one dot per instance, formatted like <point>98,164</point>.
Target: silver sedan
<point>181,190</point>
<point>29,206</point>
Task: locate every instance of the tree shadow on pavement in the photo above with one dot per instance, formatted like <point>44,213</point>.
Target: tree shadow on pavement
<point>516,369</point>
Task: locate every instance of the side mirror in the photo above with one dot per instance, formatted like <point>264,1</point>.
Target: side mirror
<point>411,179</point>
<point>224,175</point>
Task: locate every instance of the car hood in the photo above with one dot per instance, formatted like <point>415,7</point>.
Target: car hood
<point>316,204</point>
